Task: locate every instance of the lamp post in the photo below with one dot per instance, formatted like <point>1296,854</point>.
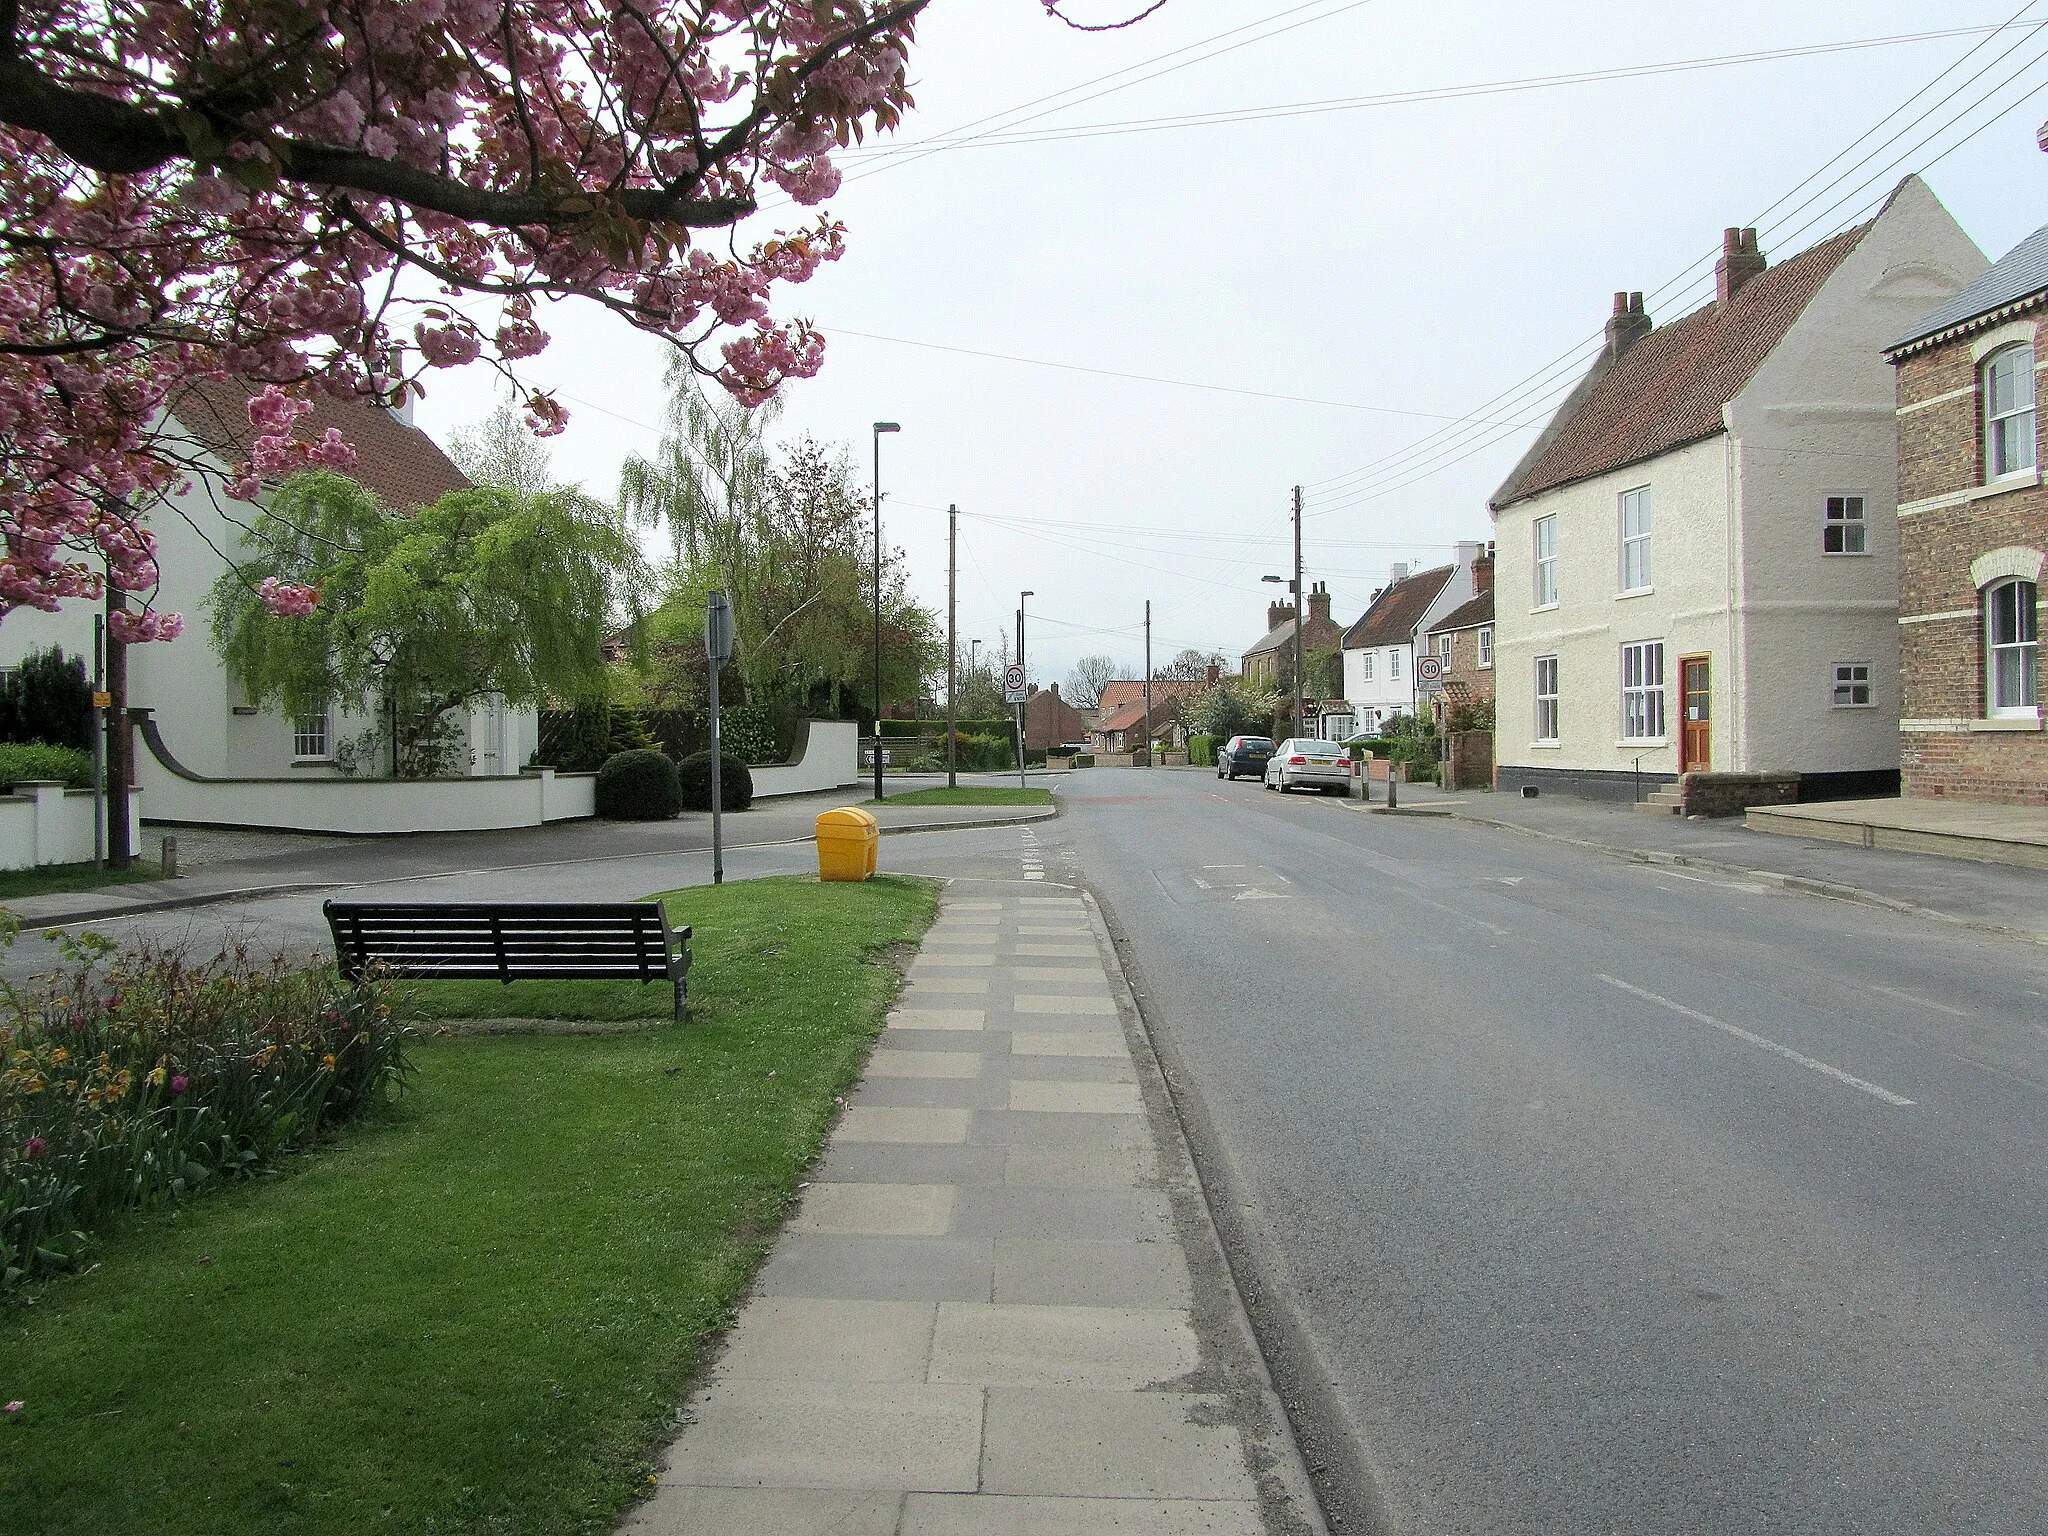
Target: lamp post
<point>1027,685</point>
<point>880,428</point>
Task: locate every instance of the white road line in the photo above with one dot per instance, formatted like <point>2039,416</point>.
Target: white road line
<point>1726,885</point>
<point>1907,997</point>
<point>1772,1046</point>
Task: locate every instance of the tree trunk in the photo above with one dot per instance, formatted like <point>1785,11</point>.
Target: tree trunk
<point>120,738</point>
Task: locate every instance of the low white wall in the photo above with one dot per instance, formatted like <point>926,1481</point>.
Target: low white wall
<point>49,824</point>
<point>827,758</point>
<point>369,806</point>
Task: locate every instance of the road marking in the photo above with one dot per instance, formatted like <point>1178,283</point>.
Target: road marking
<point>1907,997</point>
<point>1726,885</point>
<point>1772,1046</point>
<point>1229,866</point>
<point>1255,894</point>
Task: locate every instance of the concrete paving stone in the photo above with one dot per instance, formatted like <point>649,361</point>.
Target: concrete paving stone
<point>1027,974</point>
<point>985,1043</point>
<point>799,1338</point>
<point>875,1210</point>
<point>979,938</point>
<point>1115,1445</point>
<point>1009,1128</point>
<point>926,961</point>
<point>947,984</point>
<point>990,1514</point>
<point>880,1268</point>
<point>1057,1098</point>
<point>933,1092</point>
<point>938,1018</point>
<point>1060,1166</point>
<point>1102,1006</point>
<point>799,1434</point>
<point>894,1063</point>
<point>1039,903</point>
<point>864,1123</point>
<point>1061,1272</point>
<point>1040,947</point>
<point>883,1162</point>
<point>1113,1349</point>
<point>972,906</point>
<point>1064,1069</point>
<point>1066,930</point>
<point>1078,1214</point>
<point>679,1510</point>
<point>1067,1042</point>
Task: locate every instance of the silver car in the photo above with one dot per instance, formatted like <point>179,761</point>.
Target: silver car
<point>1299,763</point>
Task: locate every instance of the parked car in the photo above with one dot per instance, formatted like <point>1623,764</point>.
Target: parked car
<point>1299,763</point>
<point>1243,754</point>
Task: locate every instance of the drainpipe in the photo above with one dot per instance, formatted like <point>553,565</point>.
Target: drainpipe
<point>1738,660</point>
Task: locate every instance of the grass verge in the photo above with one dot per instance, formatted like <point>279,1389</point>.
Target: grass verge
<point>52,878</point>
<point>479,1315</point>
<point>978,794</point>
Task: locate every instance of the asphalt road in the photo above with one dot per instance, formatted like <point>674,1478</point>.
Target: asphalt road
<point>1575,1195</point>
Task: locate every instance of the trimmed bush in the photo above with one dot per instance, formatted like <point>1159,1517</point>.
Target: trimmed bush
<point>47,699</point>
<point>37,760</point>
<point>638,786</point>
<point>1202,751</point>
<point>735,784</point>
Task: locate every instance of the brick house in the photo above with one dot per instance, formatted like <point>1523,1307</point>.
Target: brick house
<point>1973,538</point>
<point>1463,640</point>
<point>1050,721</point>
<point>1270,663</point>
<point>1380,649</point>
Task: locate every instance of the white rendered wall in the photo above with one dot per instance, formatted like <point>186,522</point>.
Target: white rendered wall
<point>48,824</point>
<point>830,760</point>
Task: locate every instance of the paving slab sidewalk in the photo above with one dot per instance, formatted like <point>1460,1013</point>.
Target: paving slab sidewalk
<point>1000,1306</point>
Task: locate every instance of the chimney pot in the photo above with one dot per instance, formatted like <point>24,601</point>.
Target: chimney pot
<point>1627,325</point>
<point>1740,261</point>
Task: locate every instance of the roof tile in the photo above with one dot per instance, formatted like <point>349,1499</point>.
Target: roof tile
<point>1392,618</point>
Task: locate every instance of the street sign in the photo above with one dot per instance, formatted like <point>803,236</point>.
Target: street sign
<point>1429,673</point>
<point>717,627</point>
<point>1013,683</point>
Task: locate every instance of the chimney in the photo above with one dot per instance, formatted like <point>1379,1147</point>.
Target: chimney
<point>1740,261</point>
<point>1278,614</point>
<point>1319,603</point>
<point>1054,689</point>
<point>1398,571</point>
<point>1482,572</point>
<point>1215,673</point>
<point>1627,325</point>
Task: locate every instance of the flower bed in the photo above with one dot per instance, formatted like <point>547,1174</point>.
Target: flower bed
<point>135,1076</point>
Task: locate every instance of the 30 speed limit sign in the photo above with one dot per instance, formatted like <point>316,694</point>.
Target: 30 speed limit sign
<point>1013,683</point>
<point>1429,670</point>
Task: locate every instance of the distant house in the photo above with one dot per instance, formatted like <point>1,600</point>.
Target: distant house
<point>1462,642</point>
<point>1973,538</point>
<point>1270,663</point>
<point>1698,557</point>
<point>1050,721</point>
<point>1380,649</point>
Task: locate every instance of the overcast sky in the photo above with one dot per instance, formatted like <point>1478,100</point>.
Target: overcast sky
<point>1394,267</point>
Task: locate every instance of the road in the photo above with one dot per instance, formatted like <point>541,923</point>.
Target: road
<point>1577,1195</point>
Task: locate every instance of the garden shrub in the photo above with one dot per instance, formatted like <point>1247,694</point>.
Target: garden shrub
<point>37,760</point>
<point>1084,759</point>
<point>640,785</point>
<point>1202,751</point>
<point>138,1076</point>
<point>48,699</point>
<point>735,784</point>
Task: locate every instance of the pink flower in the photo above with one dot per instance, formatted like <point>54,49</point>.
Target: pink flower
<point>34,1147</point>
<point>180,1083</point>
<point>15,1407</point>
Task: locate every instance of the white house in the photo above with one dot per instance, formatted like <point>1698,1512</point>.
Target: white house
<point>198,714</point>
<point>1379,650</point>
<point>1698,558</point>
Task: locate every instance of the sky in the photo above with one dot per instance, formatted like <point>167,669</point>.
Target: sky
<point>1379,304</point>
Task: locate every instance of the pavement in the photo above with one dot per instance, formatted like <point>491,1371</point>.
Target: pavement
<point>1957,829</point>
<point>1000,1308</point>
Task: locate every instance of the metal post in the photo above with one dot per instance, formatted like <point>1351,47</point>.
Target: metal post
<point>1021,743</point>
<point>99,743</point>
<point>717,651</point>
<point>120,739</point>
<point>1148,682</point>
<point>1297,612</point>
<point>880,428</point>
<point>952,644</point>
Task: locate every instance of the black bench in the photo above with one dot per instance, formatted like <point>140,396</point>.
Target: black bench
<point>512,941</point>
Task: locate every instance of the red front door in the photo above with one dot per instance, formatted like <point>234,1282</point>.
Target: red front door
<point>1696,732</point>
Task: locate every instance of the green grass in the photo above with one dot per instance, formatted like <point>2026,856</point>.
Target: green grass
<point>51,878</point>
<point>978,794</point>
<point>480,1314</point>
<point>604,1001</point>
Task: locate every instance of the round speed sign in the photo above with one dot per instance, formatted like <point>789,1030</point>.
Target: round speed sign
<point>1013,683</point>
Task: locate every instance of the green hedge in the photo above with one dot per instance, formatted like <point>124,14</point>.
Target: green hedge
<point>1202,751</point>
<point>38,760</point>
<point>998,725</point>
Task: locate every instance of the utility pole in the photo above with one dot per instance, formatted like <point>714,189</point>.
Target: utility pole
<point>952,642</point>
<point>1297,612</point>
<point>120,739</point>
<point>100,699</point>
<point>880,428</point>
<point>1148,682</point>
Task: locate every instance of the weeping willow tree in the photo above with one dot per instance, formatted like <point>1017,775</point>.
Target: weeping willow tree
<point>785,533</point>
<point>486,592</point>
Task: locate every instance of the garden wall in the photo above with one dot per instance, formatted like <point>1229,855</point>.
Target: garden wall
<point>826,756</point>
<point>49,824</point>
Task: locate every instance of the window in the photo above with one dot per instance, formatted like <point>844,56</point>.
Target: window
<point>1635,539</point>
<point>1642,691</point>
<point>1443,651</point>
<point>1852,685</point>
<point>1844,532</point>
<point>1365,667</point>
<point>1546,561</point>
<point>309,736</point>
<point>1486,646</point>
<point>1546,698</point>
<point>2009,411</point>
<point>2012,632</point>
<point>1393,664</point>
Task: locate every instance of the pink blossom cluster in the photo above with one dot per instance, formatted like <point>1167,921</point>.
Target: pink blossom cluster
<point>287,599</point>
<point>639,126</point>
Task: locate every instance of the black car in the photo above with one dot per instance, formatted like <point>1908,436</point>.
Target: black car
<point>1243,754</point>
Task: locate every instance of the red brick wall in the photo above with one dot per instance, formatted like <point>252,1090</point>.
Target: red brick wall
<point>1942,660</point>
<point>1465,667</point>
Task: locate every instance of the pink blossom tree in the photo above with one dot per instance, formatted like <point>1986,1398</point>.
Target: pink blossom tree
<point>342,195</point>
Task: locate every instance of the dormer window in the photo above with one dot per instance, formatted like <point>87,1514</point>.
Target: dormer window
<point>2009,411</point>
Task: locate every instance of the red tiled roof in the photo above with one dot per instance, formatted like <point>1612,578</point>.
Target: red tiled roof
<point>1667,390</point>
<point>1467,616</point>
<point>1392,618</point>
<point>400,463</point>
<point>1126,691</point>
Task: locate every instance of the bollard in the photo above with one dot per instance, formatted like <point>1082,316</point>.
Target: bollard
<point>1393,779</point>
<point>170,858</point>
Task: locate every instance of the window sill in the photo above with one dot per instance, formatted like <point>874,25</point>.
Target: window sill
<point>1485,666</point>
<point>1544,608</point>
<point>1845,554</point>
<point>2007,723</point>
<point>1643,743</point>
<point>1852,706</point>
<point>312,762</point>
<point>1623,596</point>
<point>1545,746</point>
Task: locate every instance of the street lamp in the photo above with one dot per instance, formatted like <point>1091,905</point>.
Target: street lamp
<point>1027,686</point>
<point>880,428</point>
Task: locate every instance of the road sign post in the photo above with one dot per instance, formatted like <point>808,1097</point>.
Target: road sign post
<point>717,652</point>
<point>1014,691</point>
